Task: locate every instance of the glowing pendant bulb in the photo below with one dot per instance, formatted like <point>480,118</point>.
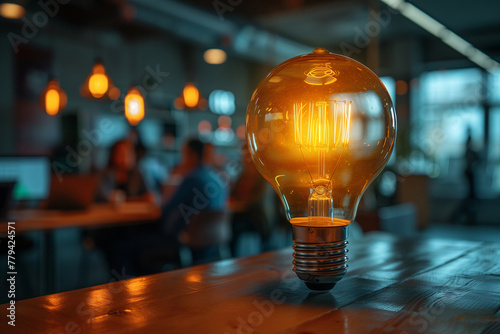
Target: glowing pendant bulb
<point>191,95</point>
<point>53,99</point>
<point>11,10</point>
<point>99,85</point>
<point>52,102</point>
<point>98,81</point>
<point>320,128</point>
<point>134,106</point>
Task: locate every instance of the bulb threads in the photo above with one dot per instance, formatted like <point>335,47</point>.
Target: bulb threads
<point>320,255</point>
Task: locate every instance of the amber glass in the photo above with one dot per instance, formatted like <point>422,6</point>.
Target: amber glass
<point>98,81</point>
<point>53,99</point>
<point>320,127</point>
<point>134,106</point>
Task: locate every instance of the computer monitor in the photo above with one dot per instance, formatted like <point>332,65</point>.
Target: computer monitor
<point>30,174</point>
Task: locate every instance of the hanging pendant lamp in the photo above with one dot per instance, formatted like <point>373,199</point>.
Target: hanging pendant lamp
<point>134,106</point>
<point>53,99</point>
<point>99,85</point>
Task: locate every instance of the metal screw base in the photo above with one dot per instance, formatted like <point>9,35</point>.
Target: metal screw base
<point>320,257</point>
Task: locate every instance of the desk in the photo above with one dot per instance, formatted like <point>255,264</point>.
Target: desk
<point>97,216</point>
<point>392,285</point>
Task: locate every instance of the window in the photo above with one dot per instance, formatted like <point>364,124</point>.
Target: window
<point>494,88</point>
<point>448,106</point>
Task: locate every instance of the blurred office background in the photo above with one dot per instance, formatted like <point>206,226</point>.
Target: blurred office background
<point>446,93</point>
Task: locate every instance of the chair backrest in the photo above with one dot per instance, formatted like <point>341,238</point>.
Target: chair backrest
<point>207,228</point>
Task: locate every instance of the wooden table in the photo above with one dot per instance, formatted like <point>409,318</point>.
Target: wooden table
<point>97,216</point>
<point>393,285</point>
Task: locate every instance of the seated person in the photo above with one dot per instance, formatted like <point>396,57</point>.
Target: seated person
<point>122,180</point>
<point>202,189</point>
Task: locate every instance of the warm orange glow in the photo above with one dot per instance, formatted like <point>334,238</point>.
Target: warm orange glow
<point>114,93</point>
<point>52,102</point>
<point>99,85</point>
<point>54,302</point>
<point>194,277</point>
<point>191,95</point>
<point>322,125</point>
<point>401,87</point>
<point>190,99</point>
<point>11,11</point>
<point>98,68</point>
<point>134,106</point>
<point>53,99</point>
<point>215,56</point>
<point>98,81</point>
<point>318,221</point>
<point>319,136</point>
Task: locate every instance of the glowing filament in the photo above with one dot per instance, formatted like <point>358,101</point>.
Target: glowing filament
<point>322,125</point>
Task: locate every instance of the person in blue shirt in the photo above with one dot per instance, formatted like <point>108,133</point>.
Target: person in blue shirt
<point>149,248</point>
<point>202,189</point>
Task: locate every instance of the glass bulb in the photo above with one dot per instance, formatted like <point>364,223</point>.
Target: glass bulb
<point>12,10</point>
<point>134,106</point>
<point>53,99</point>
<point>98,81</point>
<point>320,128</point>
<point>52,102</point>
<point>191,95</point>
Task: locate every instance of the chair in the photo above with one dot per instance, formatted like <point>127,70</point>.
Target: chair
<point>206,238</point>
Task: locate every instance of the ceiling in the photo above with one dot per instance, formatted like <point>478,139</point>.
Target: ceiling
<point>329,23</point>
<point>301,24</point>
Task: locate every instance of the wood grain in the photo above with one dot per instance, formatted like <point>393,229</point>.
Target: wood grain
<point>393,285</point>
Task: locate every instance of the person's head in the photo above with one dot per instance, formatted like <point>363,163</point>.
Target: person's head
<point>192,152</point>
<point>122,155</point>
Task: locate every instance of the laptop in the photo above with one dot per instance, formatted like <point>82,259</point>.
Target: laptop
<point>5,197</point>
<point>31,175</point>
<point>71,192</point>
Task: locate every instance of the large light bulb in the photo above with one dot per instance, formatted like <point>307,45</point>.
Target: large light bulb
<point>320,128</point>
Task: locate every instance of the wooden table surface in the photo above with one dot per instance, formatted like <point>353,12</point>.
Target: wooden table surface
<point>392,286</point>
<point>98,215</point>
